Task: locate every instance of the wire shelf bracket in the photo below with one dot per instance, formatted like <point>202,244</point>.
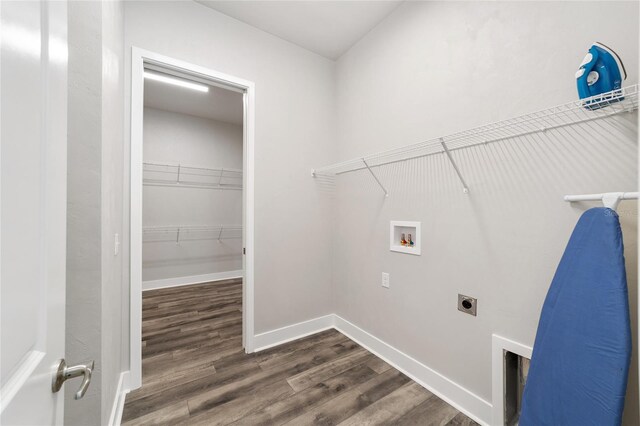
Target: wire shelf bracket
<point>386,193</point>
<point>465,187</point>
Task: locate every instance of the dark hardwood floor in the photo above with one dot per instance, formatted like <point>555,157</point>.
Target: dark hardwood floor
<point>196,372</point>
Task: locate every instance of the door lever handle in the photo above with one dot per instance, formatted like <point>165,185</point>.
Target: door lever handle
<point>65,372</point>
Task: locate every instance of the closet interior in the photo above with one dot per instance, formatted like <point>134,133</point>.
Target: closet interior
<point>192,183</point>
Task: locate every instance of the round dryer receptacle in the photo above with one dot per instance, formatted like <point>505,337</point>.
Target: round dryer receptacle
<point>467,304</point>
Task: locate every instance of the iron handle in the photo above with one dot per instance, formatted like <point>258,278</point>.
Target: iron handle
<point>65,372</point>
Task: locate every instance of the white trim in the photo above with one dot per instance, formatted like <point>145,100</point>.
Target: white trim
<point>135,221</point>
<point>118,400</point>
<point>140,58</point>
<point>248,214</point>
<point>454,394</point>
<point>498,345</point>
<point>288,333</point>
<point>190,280</point>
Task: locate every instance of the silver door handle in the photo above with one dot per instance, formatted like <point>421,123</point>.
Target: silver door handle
<point>65,372</point>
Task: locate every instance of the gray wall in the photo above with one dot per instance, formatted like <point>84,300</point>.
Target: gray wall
<point>173,138</point>
<point>434,68</point>
<point>94,211</point>
<point>84,203</point>
<point>294,131</point>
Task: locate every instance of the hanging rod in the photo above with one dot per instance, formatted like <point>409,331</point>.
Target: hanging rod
<point>600,107</point>
<point>609,199</point>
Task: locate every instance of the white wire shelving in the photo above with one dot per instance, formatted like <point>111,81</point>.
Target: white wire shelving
<point>177,234</point>
<point>158,174</point>
<point>580,111</point>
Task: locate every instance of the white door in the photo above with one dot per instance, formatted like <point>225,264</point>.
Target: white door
<point>33,124</point>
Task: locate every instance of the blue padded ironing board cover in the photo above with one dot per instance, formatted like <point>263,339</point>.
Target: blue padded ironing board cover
<point>581,355</point>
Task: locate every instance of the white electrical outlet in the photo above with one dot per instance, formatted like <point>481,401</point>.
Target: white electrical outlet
<point>385,279</point>
<point>116,244</point>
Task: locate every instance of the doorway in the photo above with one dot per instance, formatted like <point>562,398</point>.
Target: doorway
<point>191,191</point>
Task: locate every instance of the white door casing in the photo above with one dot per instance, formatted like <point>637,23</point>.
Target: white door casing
<point>139,59</point>
<point>33,156</point>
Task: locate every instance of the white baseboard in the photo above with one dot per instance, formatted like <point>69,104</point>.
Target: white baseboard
<point>118,401</point>
<point>454,394</point>
<point>292,332</point>
<point>192,279</point>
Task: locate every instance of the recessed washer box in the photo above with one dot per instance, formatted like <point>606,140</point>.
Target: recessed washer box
<point>399,227</point>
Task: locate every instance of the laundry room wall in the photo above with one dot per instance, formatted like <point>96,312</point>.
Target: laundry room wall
<point>293,131</point>
<point>429,69</point>
<point>434,68</point>
<point>186,140</point>
<point>83,334</point>
<point>94,292</point>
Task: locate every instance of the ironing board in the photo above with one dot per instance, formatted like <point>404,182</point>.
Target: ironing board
<point>582,350</point>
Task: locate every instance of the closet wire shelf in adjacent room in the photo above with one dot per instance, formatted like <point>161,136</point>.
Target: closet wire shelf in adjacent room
<point>177,234</point>
<point>579,111</point>
<point>157,174</point>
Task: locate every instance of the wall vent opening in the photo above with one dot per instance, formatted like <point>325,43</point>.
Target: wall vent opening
<point>515,370</point>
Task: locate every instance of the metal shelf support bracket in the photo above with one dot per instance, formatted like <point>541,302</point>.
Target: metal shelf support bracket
<point>465,187</point>
<point>386,193</point>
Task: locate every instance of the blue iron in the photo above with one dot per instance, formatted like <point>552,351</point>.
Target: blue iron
<point>600,72</point>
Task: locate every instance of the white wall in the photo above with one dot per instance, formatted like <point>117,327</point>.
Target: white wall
<point>434,68</point>
<point>294,131</point>
<point>173,138</point>
<point>94,212</point>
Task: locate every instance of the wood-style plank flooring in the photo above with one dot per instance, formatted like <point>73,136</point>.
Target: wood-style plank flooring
<point>195,372</point>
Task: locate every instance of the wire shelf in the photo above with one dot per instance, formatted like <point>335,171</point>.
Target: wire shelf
<point>572,113</point>
<point>158,174</point>
<point>176,234</point>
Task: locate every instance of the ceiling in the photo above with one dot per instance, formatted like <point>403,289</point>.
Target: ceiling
<point>218,104</point>
<point>328,28</point>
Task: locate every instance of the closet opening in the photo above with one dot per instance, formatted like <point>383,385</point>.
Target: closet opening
<point>191,217</point>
